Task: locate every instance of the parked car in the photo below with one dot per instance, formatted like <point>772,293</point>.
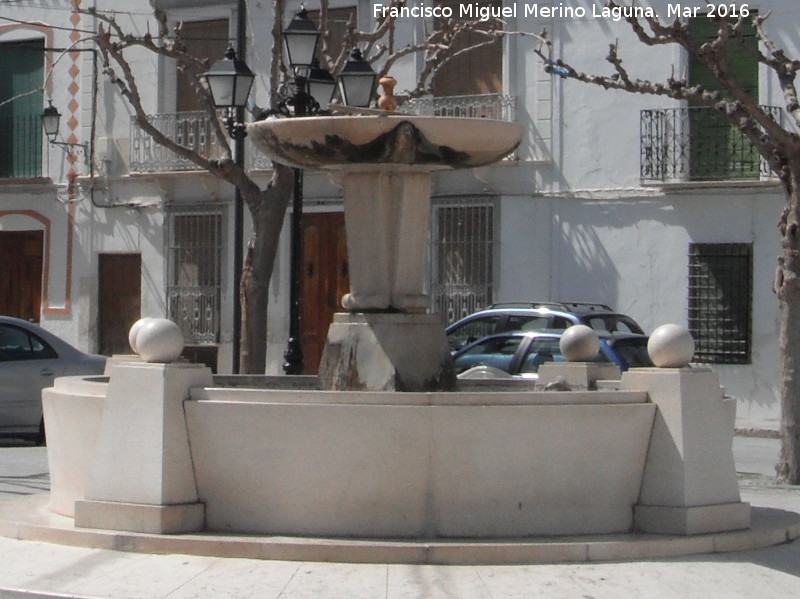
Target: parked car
<point>30,358</point>
<point>500,318</point>
<point>521,354</point>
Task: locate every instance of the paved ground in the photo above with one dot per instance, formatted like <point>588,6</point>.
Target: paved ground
<point>23,470</point>
<point>30,569</point>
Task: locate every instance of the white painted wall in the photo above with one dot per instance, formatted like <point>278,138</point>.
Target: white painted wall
<point>632,254</point>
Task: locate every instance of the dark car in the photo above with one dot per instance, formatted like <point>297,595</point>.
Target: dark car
<point>521,354</point>
<point>30,358</point>
<point>500,318</point>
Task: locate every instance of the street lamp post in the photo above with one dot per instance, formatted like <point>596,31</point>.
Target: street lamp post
<point>300,39</point>
<point>313,89</point>
<point>230,81</point>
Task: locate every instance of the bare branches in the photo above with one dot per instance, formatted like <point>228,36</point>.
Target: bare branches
<point>445,45</point>
<point>786,69</point>
<point>660,34</point>
<point>112,42</point>
<point>438,47</point>
<point>739,106</point>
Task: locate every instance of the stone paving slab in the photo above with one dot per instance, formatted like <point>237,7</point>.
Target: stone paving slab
<point>31,569</point>
<point>79,573</point>
<point>29,518</point>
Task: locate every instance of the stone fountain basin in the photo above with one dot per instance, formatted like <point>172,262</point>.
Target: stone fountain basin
<point>339,141</point>
<point>488,464</point>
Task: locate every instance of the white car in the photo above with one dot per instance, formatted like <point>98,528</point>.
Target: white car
<point>30,359</point>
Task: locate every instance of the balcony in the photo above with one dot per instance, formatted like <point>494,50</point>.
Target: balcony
<point>690,144</point>
<point>189,129</point>
<point>21,147</point>
<point>193,130</point>
<point>482,106</point>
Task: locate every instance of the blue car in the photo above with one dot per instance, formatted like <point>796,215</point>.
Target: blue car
<point>537,316</point>
<point>521,354</point>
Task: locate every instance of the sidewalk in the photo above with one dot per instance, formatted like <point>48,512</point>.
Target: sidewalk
<point>32,569</point>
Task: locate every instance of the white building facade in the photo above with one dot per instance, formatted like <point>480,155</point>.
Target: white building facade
<point>633,201</point>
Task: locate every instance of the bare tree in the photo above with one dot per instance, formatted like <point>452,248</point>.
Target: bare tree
<point>267,206</point>
<point>778,145</point>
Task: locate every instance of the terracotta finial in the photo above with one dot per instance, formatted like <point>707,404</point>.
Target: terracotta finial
<point>386,101</point>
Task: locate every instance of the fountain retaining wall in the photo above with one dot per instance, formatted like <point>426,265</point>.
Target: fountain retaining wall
<point>485,464</point>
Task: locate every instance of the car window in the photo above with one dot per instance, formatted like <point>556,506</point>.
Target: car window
<point>497,352</point>
<point>539,352</point>
<point>633,352</point>
<point>597,323</point>
<point>623,324</point>
<point>17,344</point>
<point>517,322</point>
<point>496,345</point>
<point>560,323</point>
<point>613,323</point>
<point>472,330</point>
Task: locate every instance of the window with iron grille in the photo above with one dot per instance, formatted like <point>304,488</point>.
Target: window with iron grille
<point>193,271</point>
<point>462,254</point>
<point>720,301</point>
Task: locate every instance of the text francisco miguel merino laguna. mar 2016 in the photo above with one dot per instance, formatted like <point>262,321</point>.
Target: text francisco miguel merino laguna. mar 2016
<point>468,10</point>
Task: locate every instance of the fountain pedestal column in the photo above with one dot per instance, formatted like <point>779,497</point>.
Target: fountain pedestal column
<point>387,341</point>
<point>386,218</point>
<point>386,352</point>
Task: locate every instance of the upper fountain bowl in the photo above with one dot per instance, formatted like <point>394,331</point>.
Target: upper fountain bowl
<point>427,141</point>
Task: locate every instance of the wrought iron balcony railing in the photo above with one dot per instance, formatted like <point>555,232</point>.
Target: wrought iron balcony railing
<point>196,311</point>
<point>488,106</point>
<point>697,144</point>
<point>190,129</point>
<point>20,146</point>
<point>193,130</point>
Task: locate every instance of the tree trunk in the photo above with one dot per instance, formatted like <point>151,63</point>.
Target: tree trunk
<point>268,211</point>
<point>788,289</point>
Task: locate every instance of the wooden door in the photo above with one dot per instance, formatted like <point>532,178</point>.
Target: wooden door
<point>204,40</point>
<point>325,281</point>
<point>21,262</point>
<point>120,300</point>
<point>717,150</point>
<point>479,71</point>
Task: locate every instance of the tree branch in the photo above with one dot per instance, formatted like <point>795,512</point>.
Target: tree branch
<point>742,110</point>
<point>112,42</point>
<point>785,69</point>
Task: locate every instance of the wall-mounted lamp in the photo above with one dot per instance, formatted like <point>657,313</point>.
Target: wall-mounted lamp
<point>51,119</point>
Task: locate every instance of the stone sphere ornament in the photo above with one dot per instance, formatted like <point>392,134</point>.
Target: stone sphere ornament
<point>671,346</point>
<point>134,332</point>
<point>157,340</point>
<point>579,343</point>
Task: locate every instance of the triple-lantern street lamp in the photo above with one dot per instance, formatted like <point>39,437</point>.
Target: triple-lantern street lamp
<point>230,79</point>
<point>313,89</point>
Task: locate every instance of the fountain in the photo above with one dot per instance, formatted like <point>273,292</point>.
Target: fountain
<point>386,341</point>
<point>386,449</point>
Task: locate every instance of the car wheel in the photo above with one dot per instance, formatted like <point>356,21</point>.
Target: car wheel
<point>41,437</point>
